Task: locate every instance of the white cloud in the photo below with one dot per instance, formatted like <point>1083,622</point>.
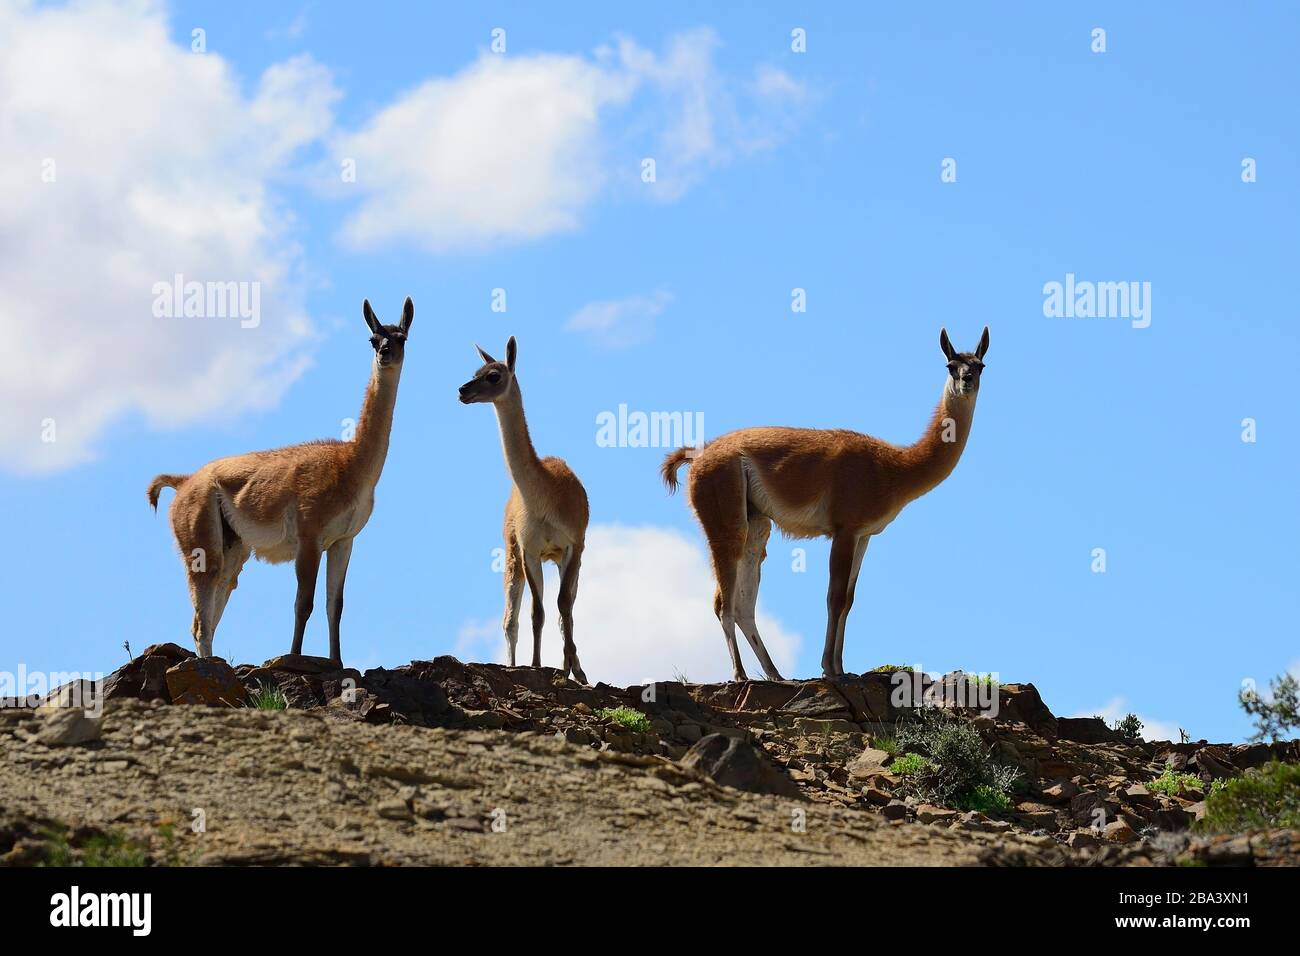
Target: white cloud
<point>618,323</point>
<point>1152,729</point>
<point>514,148</point>
<point>644,612</point>
<point>161,166</point>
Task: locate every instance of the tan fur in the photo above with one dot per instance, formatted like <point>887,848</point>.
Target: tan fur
<point>812,483</point>
<point>546,514</point>
<point>287,504</point>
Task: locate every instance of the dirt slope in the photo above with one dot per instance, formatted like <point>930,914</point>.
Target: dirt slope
<point>299,787</point>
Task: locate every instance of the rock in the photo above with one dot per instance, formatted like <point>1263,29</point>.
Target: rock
<point>394,809</point>
<point>1087,808</point>
<point>1036,817</point>
<point>1172,818</point>
<point>690,732</point>
<point>301,664</point>
<point>1086,730</point>
<point>894,810</point>
<point>205,680</point>
<point>484,719</point>
<point>1212,761</point>
<point>66,726</point>
<point>1230,851</point>
<point>814,726</point>
<point>1061,792</point>
<point>1119,831</point>
<point>145,677</point>
<point>80,693</point>
<point>1022,702</point>
<point>575,735</point>
<point>739,764</point>
<point>869,762</point>
<point>1138,795</point>
<point>404,693</point>
<point>929,813</point>
<point>876,796</point>
<point>820,699</point>
<point>1082,840</point>
<point>172,653</point>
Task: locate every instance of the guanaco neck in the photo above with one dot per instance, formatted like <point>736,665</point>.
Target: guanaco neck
<point>375,424</point>
<point>521,458</point>
<point>933,457</point>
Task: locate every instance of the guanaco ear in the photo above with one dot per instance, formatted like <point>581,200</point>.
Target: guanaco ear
<point>984,344</point>
<point>511,351</point>
<point>408,313</point>
<point>487,359</point>
<point>944,344</point>
<point>369,315</point>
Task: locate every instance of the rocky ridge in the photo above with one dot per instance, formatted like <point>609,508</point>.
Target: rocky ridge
<point>426,762</point>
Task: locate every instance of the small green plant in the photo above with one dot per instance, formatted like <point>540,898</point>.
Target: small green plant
<point>627,717</point>
<point>908,765</point>
<point>126,646</point>
<point>1130,728</point>
<point>890,668</point>
<point>888,744</point>
<point>985,799</point>
<point>984,680</point>
<point>1264,797</point>
<point>1274,717</point>
<point>113,849</point>
<point>268,696</point>
<point>1171,783</point>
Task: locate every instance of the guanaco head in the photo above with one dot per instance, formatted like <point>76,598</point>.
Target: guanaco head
<point>492,382</point>
<point>389,340</point>
<point>964,367</point>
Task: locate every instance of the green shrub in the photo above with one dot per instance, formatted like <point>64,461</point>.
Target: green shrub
<point>909,765</point>
<point>1264,797</point>
<point>626,717</point>
<point>890,668</point>
<point>958,762</point>
<point>985,799</point>
<point>1171,784</point>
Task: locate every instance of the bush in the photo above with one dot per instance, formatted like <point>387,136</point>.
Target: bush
<point>909,765</point>
<point>1264,797</point>
<point>1171,784</point>
<point>959,767</point>
<point>1273,718</point>
<point>627,717</point>
<point>985,799</point>
<point>1130,728</point>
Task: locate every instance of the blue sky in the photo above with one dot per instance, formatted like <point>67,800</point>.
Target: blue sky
<point>777,170</point>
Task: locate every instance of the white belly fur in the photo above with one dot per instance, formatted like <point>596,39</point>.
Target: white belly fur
<point>277,542</point>
<point>810,521</point>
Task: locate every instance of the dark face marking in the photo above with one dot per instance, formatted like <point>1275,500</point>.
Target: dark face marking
<point>964,369</point>
<point>388,341</point>
<point>390,345</point>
